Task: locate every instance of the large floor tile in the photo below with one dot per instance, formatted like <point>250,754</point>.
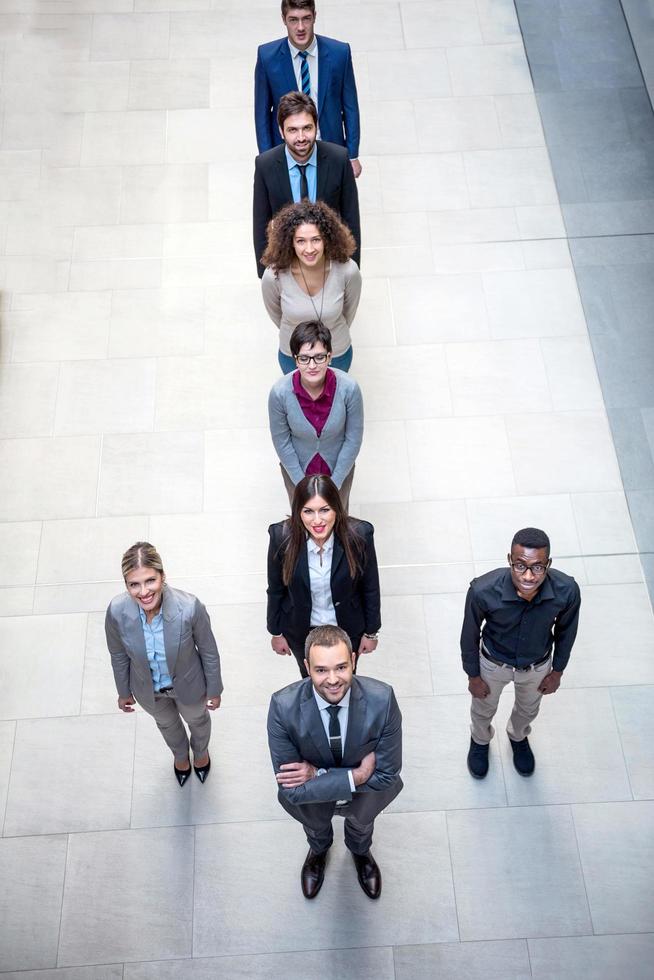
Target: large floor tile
<point>501,960</point>
<point>60,326</point>
<point>106,917</point>
<point>172,192</point>
<point>494,521</point>
<point>7,736</point>
<point>99,696</point>
<point>534,303</point>
<point>424,181</point>
<point>503,893</point>
<point>457,124</point>
<point>166,321</point>
<point>571,373</point>
<point>179,83</point>
<point>512,177</point>
<point>35,478</point>
<point>577,747</point>
<point>160,472</point>
<point>19,544</point>
<point>615,844</point>
<point>444,24</point>
<point>401,74</point>
<point>54,648</point>
<point>241,786</point>
<point>431,309</point>
<point>210,544</point>
<point>105,396</point>
<point>112,971</point>
<point>485,377</point>
<point>494,69</point>
<point>382,466</point>
<point>447,455</point>
<point>405,844</point>
<point>404,382</point>
<point>600,957</point>
<point>27,399</point>
<point>436,737</point>
<point>227,454</point>
<point>604,523</point>
<point>78,759</point>
<point>636,728</point>
<point>375,963</point>
<point>596,657</point>
<point>578,448</point>
<point>402,638</point>
<point>427,532</point>
<point>134,137</point>
<point>129,36</point>
<point>444,618</point>
<point>32,872</point>
<point>87,549</point>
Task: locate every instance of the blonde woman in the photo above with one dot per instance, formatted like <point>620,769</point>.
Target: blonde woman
<point>164,656</point>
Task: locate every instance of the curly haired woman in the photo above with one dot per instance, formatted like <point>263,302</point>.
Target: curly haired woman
<point>310,275</point>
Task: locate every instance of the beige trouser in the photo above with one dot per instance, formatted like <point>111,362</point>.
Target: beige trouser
<point>525,708</point>
<point>166,712</point>
<point>344,492</point>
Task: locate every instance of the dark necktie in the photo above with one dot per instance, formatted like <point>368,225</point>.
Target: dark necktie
<point>304,186</point>
<point>335,733</point>
<point>304,74</point>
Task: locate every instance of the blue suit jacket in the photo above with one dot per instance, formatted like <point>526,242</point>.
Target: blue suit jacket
<point>338,108</point>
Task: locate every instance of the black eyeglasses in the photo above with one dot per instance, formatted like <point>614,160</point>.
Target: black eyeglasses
<point>307,358</point>
<point>521,568</point>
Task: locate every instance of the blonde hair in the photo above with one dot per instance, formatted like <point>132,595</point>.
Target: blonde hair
<point>141,555</point>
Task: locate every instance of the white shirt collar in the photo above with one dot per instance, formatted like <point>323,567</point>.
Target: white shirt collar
<point>327,548</point>
<point>343,703</point>
<point>311,50</point>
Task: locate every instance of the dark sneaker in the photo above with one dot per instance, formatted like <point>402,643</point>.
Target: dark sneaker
<point>523,757</point>
<point>477,760</point>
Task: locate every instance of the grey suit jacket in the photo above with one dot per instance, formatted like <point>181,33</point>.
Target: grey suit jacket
<point>191,651</point>
<point>296,733</point>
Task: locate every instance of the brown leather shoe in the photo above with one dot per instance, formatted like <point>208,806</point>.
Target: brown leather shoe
<point>368,874</point>
<point>313,873</point>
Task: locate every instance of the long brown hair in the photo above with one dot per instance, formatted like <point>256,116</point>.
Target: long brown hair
<point>295,536</point>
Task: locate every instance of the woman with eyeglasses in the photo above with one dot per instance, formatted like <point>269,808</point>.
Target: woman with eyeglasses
<point>311,275</point>
<point>316,414</point>
<point>164,656</point>
<point>322,569</point>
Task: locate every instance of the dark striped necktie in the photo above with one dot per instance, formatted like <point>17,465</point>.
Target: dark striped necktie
<point>335,743</point>
<point>304,74</point>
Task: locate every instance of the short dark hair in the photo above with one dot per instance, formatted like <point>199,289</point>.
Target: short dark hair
<point>292,103</point>
<point>531,537</point>
<point>326,636</point>
<point>310,332</point>
<point>297,5</point>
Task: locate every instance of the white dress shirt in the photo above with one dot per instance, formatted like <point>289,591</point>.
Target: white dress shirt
<point>343,716</point>
<point>312,63</point>
<point>320,571</point>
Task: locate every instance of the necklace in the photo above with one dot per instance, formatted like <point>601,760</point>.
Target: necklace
<point>322,297</point>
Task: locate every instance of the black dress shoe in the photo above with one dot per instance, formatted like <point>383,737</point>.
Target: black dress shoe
<point>202,771</point>
<point>313,873</point>
<point>368,874</point>
<point>523,757</point>
<point>181,775</point>
<point>477,759</point>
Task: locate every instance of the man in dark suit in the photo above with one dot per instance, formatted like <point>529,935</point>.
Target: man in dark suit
<point>318,66</point>
<point>336,746</point>
<point>302,167</point>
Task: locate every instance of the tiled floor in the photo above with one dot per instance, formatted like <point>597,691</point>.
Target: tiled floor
<point>136,358</point>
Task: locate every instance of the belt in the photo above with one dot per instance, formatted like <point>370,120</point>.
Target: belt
<point>164,690</point>
<point>502,663</point>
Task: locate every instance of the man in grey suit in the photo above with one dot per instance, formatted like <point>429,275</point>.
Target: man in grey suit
<point>336,746</point>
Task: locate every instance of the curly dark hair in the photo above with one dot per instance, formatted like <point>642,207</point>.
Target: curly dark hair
<point>337,238</point>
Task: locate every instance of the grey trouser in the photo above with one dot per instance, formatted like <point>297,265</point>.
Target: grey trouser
<point>166,712</point>
<point>527,699</point>
<point>344,492</point>
<point>359,813</point>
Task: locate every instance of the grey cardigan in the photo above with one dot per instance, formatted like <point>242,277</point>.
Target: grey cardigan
<point>295,439</point>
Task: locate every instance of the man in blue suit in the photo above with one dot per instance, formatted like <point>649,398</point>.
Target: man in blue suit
<point>317,66</point>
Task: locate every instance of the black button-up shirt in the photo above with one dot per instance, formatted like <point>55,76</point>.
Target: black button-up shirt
<point>515,631</point>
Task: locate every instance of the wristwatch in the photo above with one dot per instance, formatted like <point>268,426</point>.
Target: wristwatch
<point>371,636</point>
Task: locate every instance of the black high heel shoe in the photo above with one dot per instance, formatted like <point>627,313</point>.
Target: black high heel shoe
<point>181,775</point>
<point>202,771</point>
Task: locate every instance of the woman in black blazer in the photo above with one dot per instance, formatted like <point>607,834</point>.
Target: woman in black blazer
<point>322,568</point>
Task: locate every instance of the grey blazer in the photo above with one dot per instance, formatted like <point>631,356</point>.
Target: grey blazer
<point>295,733</point>
<point>191,651</point>
<point>295,439</point>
